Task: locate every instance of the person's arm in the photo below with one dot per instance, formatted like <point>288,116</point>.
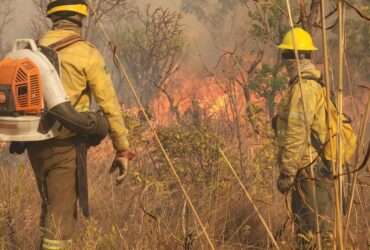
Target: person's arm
<point>102,88</point>
<point>299,121</point>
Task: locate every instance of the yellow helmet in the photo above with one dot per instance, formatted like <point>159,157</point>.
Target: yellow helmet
<point>303,40</point>
<point>68,6</point>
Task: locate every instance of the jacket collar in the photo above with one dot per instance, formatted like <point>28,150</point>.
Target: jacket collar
<point>67,25</point>
<point>308,70</point>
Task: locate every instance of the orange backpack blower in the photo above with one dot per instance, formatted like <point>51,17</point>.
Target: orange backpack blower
<point>33,102</point>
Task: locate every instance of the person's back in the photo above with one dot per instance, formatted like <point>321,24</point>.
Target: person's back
<point>75,60</point>
<point>84,75</point>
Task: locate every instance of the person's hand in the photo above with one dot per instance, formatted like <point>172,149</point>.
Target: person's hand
<point>285,183</point>
<point>121,163</point>
<point>3,145</point>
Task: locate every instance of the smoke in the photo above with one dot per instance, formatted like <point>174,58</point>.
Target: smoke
<point>205,40</point>
<point>22,13</point>
<point>209,32</point>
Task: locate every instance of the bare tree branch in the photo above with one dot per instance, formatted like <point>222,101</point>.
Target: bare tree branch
<point>152,50</point>
<point>358,11</point>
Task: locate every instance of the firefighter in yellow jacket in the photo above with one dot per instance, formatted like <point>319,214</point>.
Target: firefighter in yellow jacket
<point>302,117</point>
<point>84,75</point>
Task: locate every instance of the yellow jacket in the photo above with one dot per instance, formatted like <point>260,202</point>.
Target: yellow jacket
<point>296,122</point>
<point>83,66</point>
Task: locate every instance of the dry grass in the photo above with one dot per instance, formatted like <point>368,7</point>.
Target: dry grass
<point>149,211</point>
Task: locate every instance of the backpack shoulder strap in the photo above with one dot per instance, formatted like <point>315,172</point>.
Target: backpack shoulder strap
<point>319,80</point>
<point>65,42</point>
<point>62,44</point>
<point>51,50</point>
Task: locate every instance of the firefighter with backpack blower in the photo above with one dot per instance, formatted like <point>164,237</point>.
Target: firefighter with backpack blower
<point>302,131</point>
<point>59,131</point>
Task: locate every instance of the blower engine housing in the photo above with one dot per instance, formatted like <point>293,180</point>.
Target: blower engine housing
<point>20,88</point>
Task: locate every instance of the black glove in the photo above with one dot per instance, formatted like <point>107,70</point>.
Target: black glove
<point>285,183</point>
<point>17,148</point>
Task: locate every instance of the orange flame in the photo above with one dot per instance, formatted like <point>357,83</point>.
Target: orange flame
<point>209,95</point>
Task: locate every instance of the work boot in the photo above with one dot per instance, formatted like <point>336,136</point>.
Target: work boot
<point>305,241</point>
<point>327,241</point>
<point>48,244</point>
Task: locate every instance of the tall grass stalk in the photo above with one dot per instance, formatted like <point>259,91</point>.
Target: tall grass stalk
<point>339,161</point>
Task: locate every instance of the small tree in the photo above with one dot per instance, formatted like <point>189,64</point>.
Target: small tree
<point>268,83</point>
<point>107,11</point>
<point>152,51</point>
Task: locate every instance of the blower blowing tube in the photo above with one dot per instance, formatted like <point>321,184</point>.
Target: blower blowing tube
<point>92,124</point>
<point>91,127</point>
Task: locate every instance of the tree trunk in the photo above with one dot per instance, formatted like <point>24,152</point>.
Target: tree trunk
<point>314,15</point>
